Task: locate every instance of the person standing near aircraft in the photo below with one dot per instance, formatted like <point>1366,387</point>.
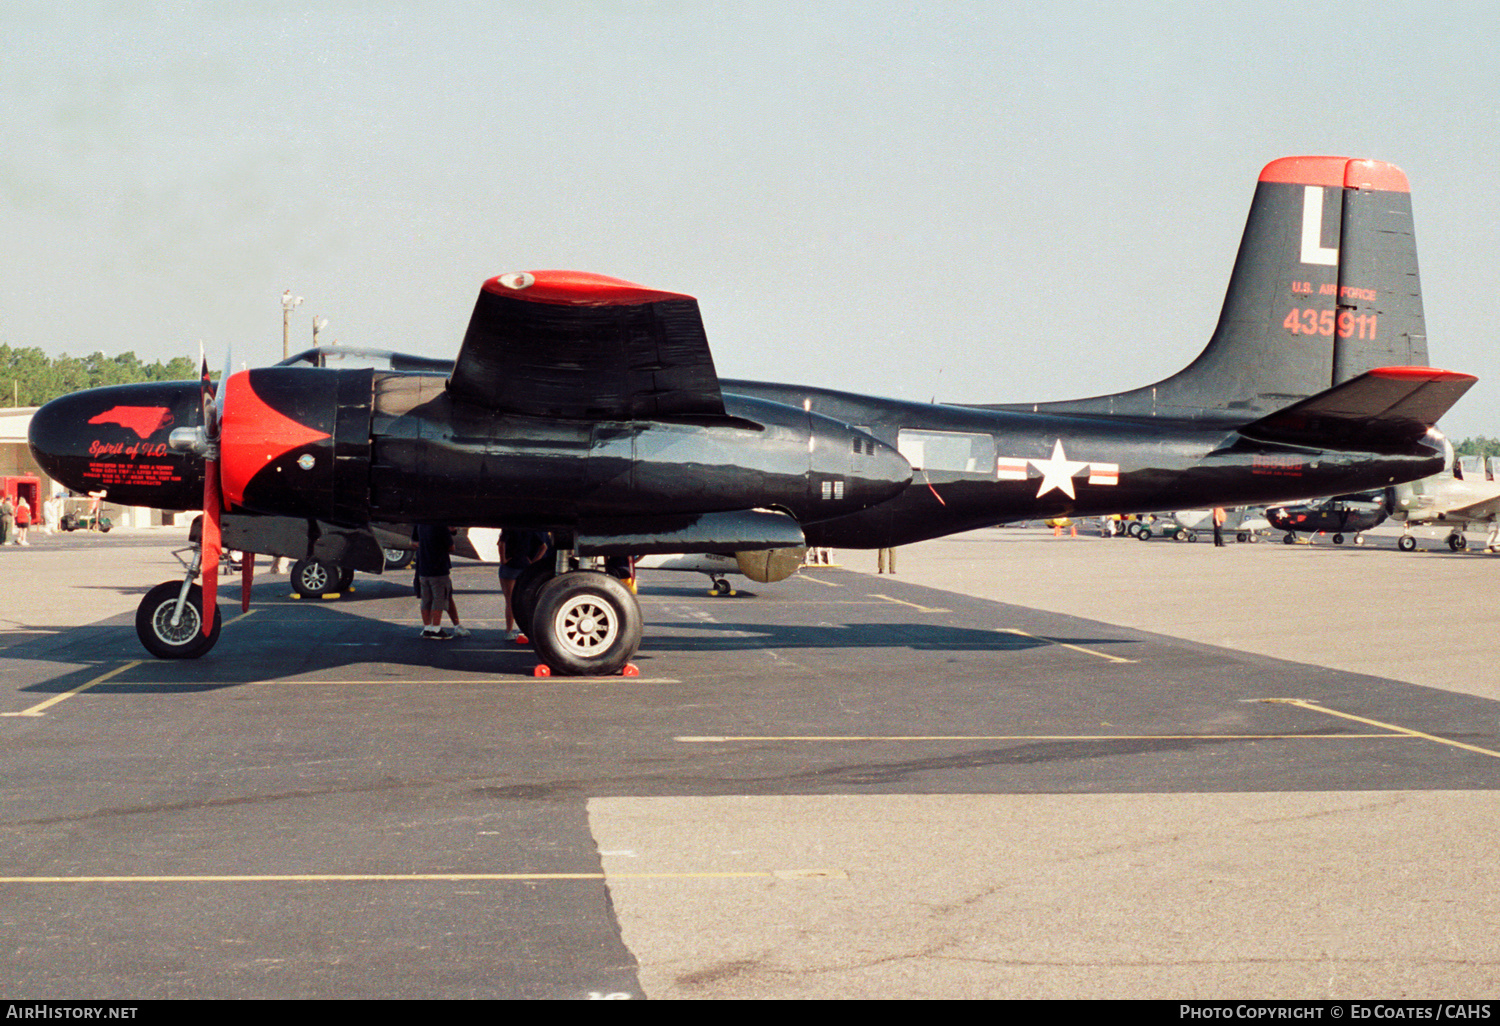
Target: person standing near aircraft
<point>518,550</point>
<point>1219,517</point>
<point>434,581</point>
<point>7,521</point>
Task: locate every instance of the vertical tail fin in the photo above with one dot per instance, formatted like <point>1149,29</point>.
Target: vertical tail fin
<point>1325,287</point>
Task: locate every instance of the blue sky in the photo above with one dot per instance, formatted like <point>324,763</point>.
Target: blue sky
<point>981,202</point>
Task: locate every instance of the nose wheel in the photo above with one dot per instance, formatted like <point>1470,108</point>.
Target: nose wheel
<point>169,633</point>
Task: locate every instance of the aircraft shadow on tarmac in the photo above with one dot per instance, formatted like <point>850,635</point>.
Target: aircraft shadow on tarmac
<point>695,636</point>
<point>286,639</point>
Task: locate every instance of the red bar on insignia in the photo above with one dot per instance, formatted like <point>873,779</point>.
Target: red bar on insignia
<point>1010,470</point>
<point>1104,473</point>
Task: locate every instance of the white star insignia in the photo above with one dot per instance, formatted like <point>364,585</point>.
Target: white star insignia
<point>1057,472</point>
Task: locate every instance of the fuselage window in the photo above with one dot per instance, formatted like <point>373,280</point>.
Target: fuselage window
<point>948,452</point>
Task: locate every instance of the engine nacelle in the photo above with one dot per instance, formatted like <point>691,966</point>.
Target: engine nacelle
<point>767,566</point>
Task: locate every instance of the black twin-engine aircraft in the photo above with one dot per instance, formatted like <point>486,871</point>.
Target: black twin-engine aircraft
<point>589,407</point>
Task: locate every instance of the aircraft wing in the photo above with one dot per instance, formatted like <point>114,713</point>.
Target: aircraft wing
<point>1386,406</point>
<point>570,345</point>
<point>1475,511</point>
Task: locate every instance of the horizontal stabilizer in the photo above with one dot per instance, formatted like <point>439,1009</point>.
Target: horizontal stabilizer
<point>1382,407</point>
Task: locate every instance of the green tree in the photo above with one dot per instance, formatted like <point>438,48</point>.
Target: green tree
<point>29,377</point>
<point>1478,446</point>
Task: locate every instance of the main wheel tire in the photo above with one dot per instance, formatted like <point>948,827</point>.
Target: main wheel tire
<point>312,578</point>
<point>1291,538</point>
<point>586,624</point>
<point>1406,543</point>
<point>1338,539</point>
<point>153,623</point>
<point>524,595</point>
<point>399,559</point>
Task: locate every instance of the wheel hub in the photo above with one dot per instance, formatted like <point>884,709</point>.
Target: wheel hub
<point>586,627</point>
<point>186,628</point>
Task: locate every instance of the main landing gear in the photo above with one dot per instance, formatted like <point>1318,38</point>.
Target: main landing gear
<point>582,622</point>
<point>169,620</point>
<point>313,578</point>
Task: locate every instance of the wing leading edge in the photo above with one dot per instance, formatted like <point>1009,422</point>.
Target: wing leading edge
<point>579,346</point>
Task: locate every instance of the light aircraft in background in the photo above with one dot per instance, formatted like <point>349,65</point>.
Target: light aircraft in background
<point>1465,492</point>
<point>1340,516</point>
<point>590,407</point>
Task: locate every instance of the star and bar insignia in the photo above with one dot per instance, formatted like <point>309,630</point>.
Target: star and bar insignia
<point>1057,471</point>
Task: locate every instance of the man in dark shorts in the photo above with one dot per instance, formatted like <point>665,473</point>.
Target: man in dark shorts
<point>518,550</point>
<point>434,581</point>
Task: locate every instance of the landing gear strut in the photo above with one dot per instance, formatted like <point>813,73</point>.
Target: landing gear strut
<point>169,620</point>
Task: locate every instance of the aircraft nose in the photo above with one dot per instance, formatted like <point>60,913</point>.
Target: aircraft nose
<point>114,440</point>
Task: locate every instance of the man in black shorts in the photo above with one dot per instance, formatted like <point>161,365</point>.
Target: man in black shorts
<point>518,550</point>
<point>434,581</point>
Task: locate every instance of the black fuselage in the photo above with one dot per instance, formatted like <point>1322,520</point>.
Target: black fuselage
<point>1113,464</point>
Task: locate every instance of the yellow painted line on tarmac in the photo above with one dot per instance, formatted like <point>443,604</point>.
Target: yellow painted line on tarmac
<point>38,710</point>
<point>815,580</point>
<point>1064,644</point>
<point>720,739</point>
<point>900,602</point>
<point>757,874</point>
<point>617,678</point>
<point>1303,703</point>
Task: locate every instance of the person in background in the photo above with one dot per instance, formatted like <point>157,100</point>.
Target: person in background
<point>518,550</point>
<point>52,513</point>
<point>23,520</point>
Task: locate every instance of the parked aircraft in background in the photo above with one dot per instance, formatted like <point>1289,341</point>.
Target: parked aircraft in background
<point>590,407</point>
<point>1244,523</point>
<point>1465,492</point>
<point>1340,516</point>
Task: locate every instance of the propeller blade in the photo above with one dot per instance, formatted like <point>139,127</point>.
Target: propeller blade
<point>219,394</point>
<point>212,541</point>
<point>247,562</point>
<point>213,419</point>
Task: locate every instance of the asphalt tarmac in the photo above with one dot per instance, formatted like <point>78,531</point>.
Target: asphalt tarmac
<point>1021,767</point>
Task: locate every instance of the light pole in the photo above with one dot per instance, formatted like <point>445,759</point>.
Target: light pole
<point>289,302</point>
<point>319,323</point>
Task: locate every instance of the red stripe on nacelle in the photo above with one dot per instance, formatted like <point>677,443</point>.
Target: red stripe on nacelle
<point>252,435</point>
<point>575,288</point>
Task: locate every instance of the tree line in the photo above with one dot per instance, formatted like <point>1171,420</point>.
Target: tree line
<point>1478,446</point>
<point>29,377</point>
